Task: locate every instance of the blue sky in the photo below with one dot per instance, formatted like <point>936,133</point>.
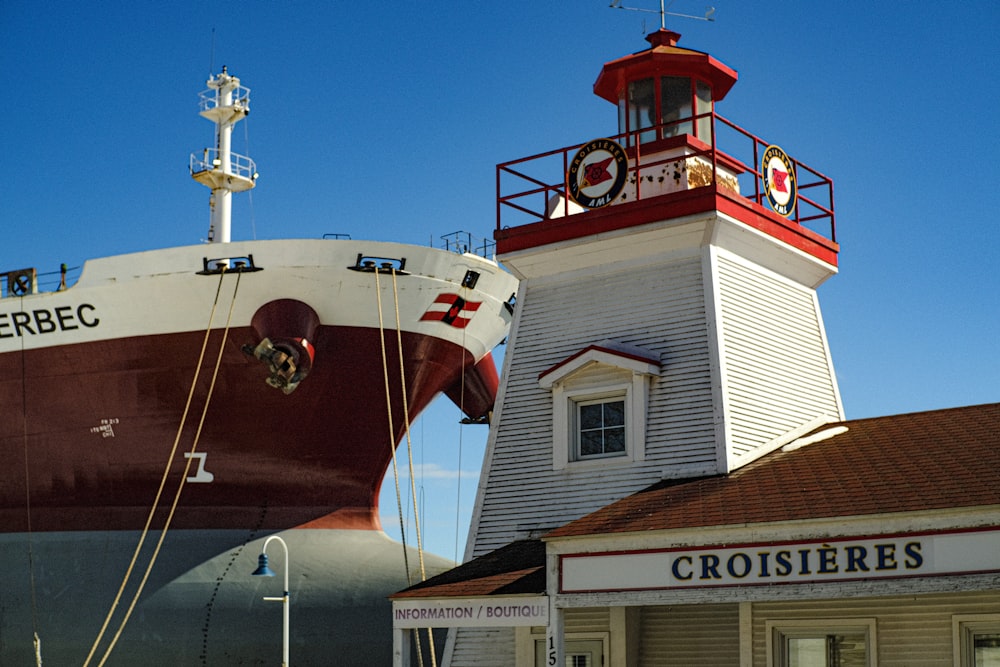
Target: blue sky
<point>386,120</point>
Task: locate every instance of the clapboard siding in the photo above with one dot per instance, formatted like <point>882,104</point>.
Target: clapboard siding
<point>693,636</point>
<point>661,309</point>
<point>484,647</point>
<point>776,364</point>
<point>911,631</point>
<point>595,619</point>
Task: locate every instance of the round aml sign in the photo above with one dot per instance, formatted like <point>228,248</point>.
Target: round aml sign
<point>597,173</point>
<point>778,175</point>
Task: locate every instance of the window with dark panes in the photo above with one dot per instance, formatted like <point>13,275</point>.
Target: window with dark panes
<point>601,428</point>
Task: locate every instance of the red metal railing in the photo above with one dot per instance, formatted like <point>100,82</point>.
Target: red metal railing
<point>527,187</point>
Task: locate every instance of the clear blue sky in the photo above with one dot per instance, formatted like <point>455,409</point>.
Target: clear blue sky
<point>385,120</point>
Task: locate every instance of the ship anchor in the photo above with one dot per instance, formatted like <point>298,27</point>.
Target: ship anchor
<point>283,363</point>
<point>284,329</point>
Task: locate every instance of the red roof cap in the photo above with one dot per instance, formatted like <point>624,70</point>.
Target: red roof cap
<point>664,58</point>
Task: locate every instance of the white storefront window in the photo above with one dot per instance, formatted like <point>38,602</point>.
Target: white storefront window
<point>977,640</point>
<point>821,643</point>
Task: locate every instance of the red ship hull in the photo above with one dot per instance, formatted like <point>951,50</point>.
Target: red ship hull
<point>317,456</point>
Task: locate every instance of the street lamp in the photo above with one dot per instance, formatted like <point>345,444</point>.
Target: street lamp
<point>264,571</point>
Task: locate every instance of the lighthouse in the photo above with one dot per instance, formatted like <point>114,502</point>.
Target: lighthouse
<point>667,324</point>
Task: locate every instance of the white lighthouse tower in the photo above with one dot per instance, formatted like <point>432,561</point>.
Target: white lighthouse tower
<point>668,324</point>
<point>225,103</point>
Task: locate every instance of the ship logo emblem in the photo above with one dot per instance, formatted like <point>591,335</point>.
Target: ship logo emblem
<point>778,176</point>
<point>451,309</point>
<point>597,173</point>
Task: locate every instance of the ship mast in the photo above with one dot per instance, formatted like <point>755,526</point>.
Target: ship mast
<point>225,103</point>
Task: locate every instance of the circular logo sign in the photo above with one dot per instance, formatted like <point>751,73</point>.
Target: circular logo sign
<point>778,174</point>
<point>597,173</point>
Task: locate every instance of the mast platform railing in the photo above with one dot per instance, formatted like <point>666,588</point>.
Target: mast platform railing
<point>534,188</point>
<point>210,99</point>
<point>239,165</point>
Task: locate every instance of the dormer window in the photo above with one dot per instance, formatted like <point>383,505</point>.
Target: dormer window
<point>599,402</point>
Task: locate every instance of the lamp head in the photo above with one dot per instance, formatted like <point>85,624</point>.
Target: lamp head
<point>262,568</point>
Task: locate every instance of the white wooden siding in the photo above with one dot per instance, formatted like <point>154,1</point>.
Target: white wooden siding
<point>658,308</point>
<point>912,631</point>
<point>484,647</point>
<point>776,363</point>
<point>694,636</point>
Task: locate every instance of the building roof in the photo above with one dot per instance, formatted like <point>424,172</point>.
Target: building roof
<point>941,459</point>
<point>516,569</point>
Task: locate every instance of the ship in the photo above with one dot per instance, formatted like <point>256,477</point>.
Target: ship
<point>170,410</point>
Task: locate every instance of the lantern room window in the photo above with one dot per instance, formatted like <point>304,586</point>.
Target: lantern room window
<point>661,107</point>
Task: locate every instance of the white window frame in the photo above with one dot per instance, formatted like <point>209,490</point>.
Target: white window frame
<point>527,641</point>
<point>778,629</point>
<point>624,374</point>
<point>964,628</point>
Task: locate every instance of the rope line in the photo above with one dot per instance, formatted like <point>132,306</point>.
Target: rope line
<point>392,430</point>
<point>163,479</point>
<point>184,476</point>
<point>37,642</point>
<point>392,443</point>
<point>461,433</point>
<point>409,452</point>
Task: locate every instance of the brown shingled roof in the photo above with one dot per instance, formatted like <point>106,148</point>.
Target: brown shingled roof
<point>516,569</point>
<point>903,463</point>
<point>921,461</point>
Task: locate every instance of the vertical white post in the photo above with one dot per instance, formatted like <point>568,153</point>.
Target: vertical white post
<point>400,647</point>
<point>555,647</point>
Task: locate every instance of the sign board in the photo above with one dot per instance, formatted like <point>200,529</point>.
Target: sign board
<point>780,181</point>
<point>488,612</point>
<point>597,173</point>
<point>841,559</point>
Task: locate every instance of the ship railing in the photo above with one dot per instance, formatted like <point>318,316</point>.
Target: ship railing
<point>534,188</point>
<point>240,165</point>
<point>209,99</point>
<point>23,282</point>
<point>463,242</point>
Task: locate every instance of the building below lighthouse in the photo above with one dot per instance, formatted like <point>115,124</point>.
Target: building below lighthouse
<point>670,477</point>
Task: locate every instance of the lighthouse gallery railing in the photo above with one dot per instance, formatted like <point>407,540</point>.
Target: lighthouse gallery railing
<point>527,187</point>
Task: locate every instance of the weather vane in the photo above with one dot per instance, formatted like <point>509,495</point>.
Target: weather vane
<point>709,12</point>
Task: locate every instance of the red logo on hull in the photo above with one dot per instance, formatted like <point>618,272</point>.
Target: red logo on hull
<point>451,309</point>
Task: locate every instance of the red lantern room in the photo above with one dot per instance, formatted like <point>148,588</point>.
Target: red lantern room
<point>666,91</point>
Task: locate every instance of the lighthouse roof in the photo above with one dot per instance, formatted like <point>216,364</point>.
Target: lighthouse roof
<point>664,58</point>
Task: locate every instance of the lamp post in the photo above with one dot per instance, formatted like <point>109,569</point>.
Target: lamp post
<point>264,571</point>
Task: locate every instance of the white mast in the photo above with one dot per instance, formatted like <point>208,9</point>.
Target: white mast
<point>225,103</point>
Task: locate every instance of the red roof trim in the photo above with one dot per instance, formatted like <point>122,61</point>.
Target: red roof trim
<point>598,348</point>
<point>664,58</point>
<point>771,543</point>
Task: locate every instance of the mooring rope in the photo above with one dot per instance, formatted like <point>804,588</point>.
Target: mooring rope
<point>392,442</point>
<point>37,641</point>
<point>183,480</point>
<point>461,433</point>
<point>163,479</point>
<point>409,452</point>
